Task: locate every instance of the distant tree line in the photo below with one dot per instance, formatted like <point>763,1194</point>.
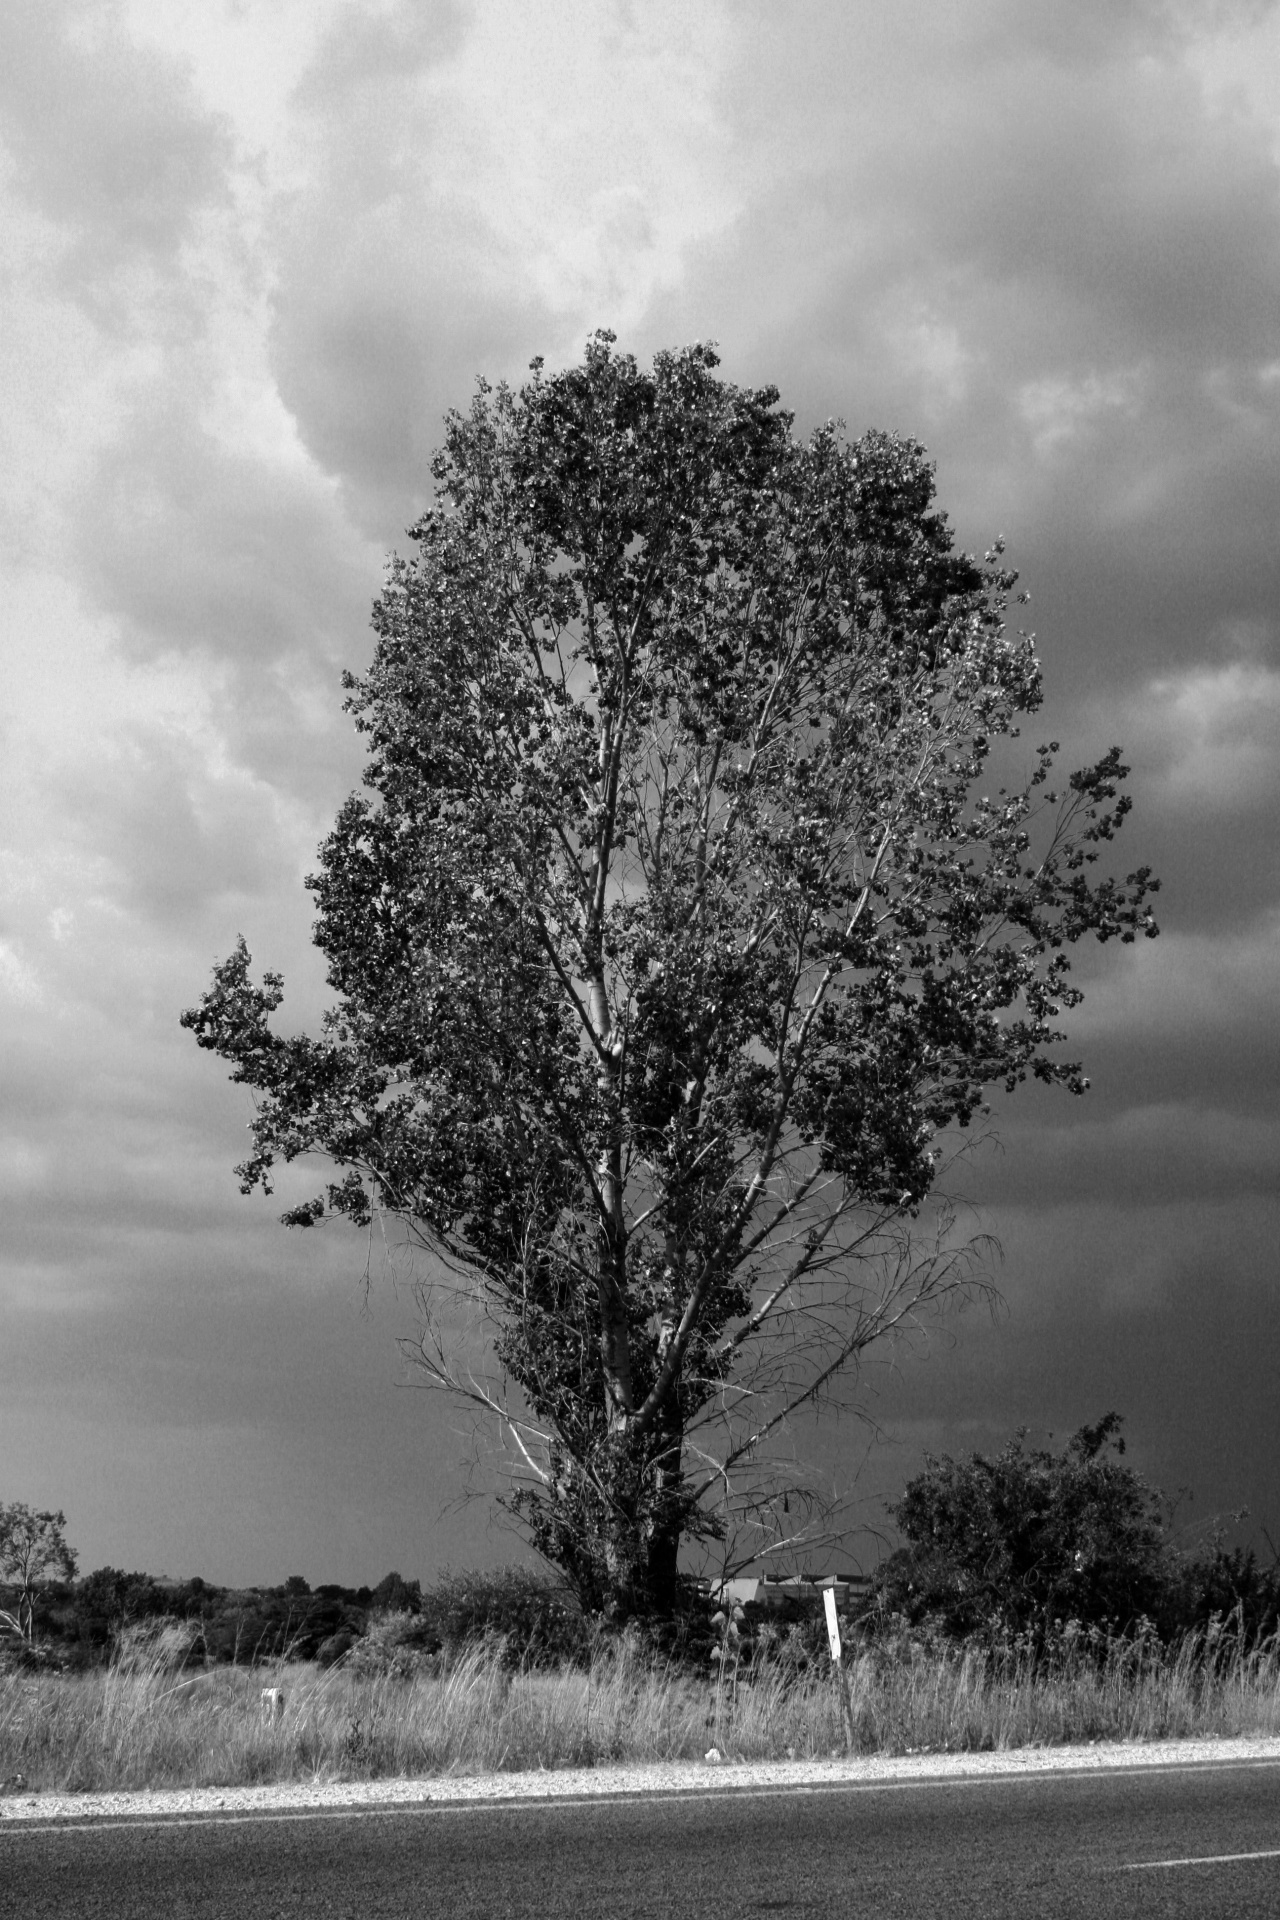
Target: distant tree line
<point>77,1622</point>
<point>1026,1546</point>
<point>82,1619</point>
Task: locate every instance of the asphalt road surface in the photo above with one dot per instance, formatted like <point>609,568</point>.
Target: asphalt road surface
<point>1184,1841</point>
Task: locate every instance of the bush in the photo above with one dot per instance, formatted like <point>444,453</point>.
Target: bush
<point>330,1651</point>
<point>1221,1584</point>
<point>1004,1547</point>
<point>537,1616</point>
<point>107,1599</point>
<point>398,1644</point>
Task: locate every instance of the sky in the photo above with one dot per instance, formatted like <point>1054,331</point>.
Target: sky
<point>252,251</point>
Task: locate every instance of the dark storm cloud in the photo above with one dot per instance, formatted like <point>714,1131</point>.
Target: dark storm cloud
<point>1204,746</point>
<point>1164,1313</point>
<point>1058,262</point>
<point>1142,1157</point>
<point>223,1414</point>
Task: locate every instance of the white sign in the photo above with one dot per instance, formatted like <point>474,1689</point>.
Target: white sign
<point>833,1625</point>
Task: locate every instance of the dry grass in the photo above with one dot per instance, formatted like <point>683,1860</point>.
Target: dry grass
<point>147,1722</point>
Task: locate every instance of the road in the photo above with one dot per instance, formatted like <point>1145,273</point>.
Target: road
<point>1182,1841</point>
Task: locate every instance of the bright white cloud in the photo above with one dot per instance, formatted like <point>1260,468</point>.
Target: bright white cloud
<point>244,58</point>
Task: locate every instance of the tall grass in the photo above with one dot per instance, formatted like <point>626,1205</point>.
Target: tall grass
<point>147,1721</point>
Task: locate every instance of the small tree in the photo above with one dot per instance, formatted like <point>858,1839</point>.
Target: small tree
<point>675,936</point>
<point>33,1549</point>
<point>1012,1543</point>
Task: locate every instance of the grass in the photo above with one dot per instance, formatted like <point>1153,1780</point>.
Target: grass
<point>148,1722</point>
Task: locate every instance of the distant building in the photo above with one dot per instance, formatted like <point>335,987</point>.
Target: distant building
<point>764,1590</point>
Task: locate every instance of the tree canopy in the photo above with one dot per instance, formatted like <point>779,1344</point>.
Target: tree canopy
<point>674,933</point>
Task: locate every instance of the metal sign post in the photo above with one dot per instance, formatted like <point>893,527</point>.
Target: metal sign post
<point>842,1679</point>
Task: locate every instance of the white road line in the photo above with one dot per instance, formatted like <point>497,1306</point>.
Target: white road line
<point>1201,1860</point>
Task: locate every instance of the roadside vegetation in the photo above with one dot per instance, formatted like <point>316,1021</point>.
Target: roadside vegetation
<point>1038,1598</point>
<point>148,1721</point>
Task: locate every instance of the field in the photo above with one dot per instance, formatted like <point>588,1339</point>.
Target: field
<point>146,1721</point>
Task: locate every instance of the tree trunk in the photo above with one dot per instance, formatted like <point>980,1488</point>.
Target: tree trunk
<point>664,1569</point>
<point>639,1551</point>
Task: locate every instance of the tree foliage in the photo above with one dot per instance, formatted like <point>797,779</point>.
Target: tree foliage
<point>1010,1544</point>
<point>674,933</point>
<point>33,1550</point>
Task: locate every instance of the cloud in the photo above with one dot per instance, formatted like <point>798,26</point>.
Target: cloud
<point>1185,1020</point>
<point>110,143</point>
<point>1142,1157</point>
<point>373,53</point>
<point>230,1360</point>
<point>237,552</point>
<point>479,191</point>
<point>1169,1315</point>
<point>1062,410</point>
<point>1187,985</point>
<point>1209,737</point>
<point>1055,256</point>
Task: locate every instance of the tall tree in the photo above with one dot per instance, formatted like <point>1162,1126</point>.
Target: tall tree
<point>674,935</point>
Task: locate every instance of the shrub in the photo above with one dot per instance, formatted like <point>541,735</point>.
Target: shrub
<point>1222,1583</point>
<point>537,1616</point>
<point>108,1598</point>
<point>330,1651</point>
<point>1006,1546</point>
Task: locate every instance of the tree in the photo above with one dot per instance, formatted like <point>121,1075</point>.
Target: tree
<point>33,1549</point>
<point>1013,1543</point>
<point>674,941</point>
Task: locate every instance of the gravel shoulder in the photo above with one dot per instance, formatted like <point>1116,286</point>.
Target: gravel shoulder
<point>682,1777</point>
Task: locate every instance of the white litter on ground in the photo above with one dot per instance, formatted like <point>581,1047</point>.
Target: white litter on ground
<point>581,1783</point>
